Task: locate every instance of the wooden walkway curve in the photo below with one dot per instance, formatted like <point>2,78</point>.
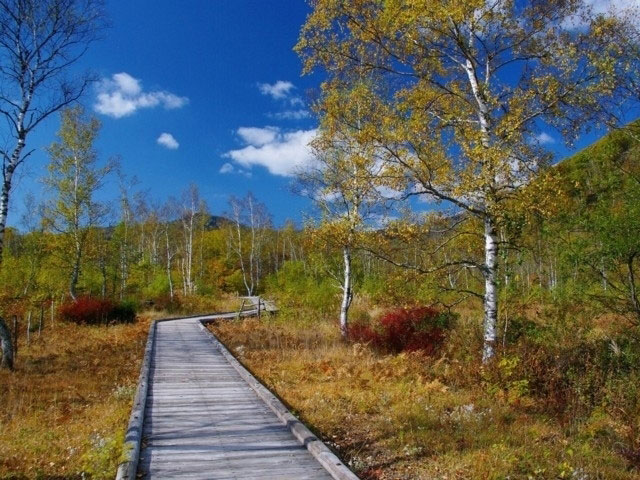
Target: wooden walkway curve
<point>201,415</point>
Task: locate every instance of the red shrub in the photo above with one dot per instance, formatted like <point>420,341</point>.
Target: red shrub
<point>87,310</point>
<point>418,328</point>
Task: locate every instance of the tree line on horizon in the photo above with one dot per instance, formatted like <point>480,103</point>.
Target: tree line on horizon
<point>443,103</point>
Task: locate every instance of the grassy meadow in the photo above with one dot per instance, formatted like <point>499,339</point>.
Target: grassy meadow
<point>68,402</point>
<point>529,415</point>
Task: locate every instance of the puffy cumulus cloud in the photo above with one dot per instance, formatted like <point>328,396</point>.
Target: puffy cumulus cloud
<point>278,90</point>
<point>258,136</point>
<point>282,153</point>
<point>122,95</point>
<point>168,141</point>
<point>126,83</point>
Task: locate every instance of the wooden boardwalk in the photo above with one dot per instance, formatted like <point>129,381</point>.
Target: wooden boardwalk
<point>203,420</point>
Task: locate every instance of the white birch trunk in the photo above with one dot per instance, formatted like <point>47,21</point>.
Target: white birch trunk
<point>29,328</point>
<point>169,257</point>
<point>8,169</point>
<point>491,290</point>
<point>347,294</point>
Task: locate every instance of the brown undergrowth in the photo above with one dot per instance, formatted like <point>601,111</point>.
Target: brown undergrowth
<point>407,416</point>
<point>65,408</point>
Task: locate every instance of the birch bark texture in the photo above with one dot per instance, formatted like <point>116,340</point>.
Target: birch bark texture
<point>39,41</point>
<point>6,344</point>
<point>465,95</point>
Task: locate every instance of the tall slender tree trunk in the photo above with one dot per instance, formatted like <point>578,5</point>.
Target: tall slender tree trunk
<point>5,335</point>
<point>490,289</point>
<point>75,274</point>
<point>252,251</point>
<point>7,345</point>
<point>184,277</point>
<point>347,293</point>
<point>169,278</point>
<point>103,271</point>
<point>632,285</point>
<point>242,267</point>
<point>9,168</point>
<point>189,255</point>
<point>169,257</point>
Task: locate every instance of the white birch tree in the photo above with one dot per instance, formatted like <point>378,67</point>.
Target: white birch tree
<point>463,89</point>
<point>250,221</point>
<point>74,179</point>
<point>39,41</point>
<point>344,183</point>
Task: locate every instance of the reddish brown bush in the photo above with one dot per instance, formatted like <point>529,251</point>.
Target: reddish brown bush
<point>414,329</point>
<point>95,311</point>
<point>363,334</point>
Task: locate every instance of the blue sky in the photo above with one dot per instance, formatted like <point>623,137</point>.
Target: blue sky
<point>216,81</point>
<point>202,91</point>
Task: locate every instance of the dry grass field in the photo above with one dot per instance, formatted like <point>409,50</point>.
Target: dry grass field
<point>406,416</point>
<point>66,406</point>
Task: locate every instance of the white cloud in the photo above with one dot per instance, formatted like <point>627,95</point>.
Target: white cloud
<point>283,90</point>
<point>168,141</point>
<point>545,139</point>
<point>122,95</point>
<point>127,84</point>
<point>258,136</point>
<point>282,154</point>
<point>278,90</point>
<point>226,168</point>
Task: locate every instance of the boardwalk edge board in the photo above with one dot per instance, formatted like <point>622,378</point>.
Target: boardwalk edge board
<point>128,466</point>
<point>322,453</point>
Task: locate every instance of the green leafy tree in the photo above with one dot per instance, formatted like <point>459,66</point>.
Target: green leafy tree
<point>601,226</point>
<point>462,90</point>
<point>344,184</point>
<point>39,41</point>
<point>74,178</point>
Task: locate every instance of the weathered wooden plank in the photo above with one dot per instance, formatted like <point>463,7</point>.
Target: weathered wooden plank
<point>202,419</point>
